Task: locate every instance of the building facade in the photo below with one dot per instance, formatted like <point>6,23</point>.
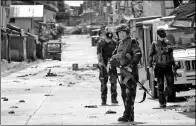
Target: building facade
<point>115,12</point>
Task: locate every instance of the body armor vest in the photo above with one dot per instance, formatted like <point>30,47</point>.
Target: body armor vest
<point>164,54</point>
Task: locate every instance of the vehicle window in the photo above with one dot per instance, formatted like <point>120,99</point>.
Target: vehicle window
<point>54,47</point>
<point>95,33</point>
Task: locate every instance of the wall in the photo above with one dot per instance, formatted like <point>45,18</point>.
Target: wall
<point>73,20</point>
<point>24,23</point>
<point>157,8</point>
<point>151,8</point>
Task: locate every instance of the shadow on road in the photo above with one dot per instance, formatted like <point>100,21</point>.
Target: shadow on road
<point>111,105</point>
<point>128,123</point>
<point>178,99</point>
<point>188,114</point>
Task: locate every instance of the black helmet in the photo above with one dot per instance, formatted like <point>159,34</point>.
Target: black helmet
<point>161,32</point>
<point>109,35</point>
<point>122,27</point>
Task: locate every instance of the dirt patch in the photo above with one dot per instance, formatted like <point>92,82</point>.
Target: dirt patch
<point>8,68</point>
<point>189,105</point>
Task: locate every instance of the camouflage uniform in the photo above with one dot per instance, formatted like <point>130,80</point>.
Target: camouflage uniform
<point>161,56</point>
<point>128,46</point>
<point>106,50</point>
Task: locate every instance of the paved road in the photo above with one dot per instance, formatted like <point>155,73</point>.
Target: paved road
<point>61,100</point>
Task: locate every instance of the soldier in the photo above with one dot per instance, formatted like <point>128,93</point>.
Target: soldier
<point>128,55</point>
<point>161,58</point>
<point>105,48</point>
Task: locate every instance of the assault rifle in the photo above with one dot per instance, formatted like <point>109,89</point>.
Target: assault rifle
<point>126,71</point>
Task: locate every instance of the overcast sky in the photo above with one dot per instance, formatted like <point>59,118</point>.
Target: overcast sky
<point>74,3</point>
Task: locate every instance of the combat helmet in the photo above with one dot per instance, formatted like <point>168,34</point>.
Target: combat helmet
<point>161,32</point>
<point>122,27</point>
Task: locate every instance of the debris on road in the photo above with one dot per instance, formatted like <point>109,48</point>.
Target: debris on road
<point>110,112</point>
<point>92,116</point>
<point>74,66</point>
<point>14,107</point>
<point>60,85</point>
<point>95,66</point>
<point>5,99</point>
<point>22,101</point>
<point>50,74</point>
<point>48,95</point>
<point>72,83</point>
<point>23,75</point>
<point>16,81</point>
<point>11,112</point>
<point>91,106</point>
<point>27,89</point>
<point>27,75</point>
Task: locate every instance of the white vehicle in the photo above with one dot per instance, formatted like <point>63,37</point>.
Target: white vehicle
<point>95,34</point>
<point>184,50</point>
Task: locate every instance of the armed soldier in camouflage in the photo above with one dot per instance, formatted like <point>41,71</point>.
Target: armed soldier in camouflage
<point>128,55</point>
<point>161,58</point>
<point>105,48</point>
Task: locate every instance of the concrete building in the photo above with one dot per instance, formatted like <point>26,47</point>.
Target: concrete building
<point>96,12</point>
<point>4,12</point>
<point>109,11</point>
<point>23,16</point>
<point>26,14</point>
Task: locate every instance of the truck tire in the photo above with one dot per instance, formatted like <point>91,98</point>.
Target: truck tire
<point>170,94</point>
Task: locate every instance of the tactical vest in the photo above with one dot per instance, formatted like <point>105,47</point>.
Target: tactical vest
<point>163,54</point>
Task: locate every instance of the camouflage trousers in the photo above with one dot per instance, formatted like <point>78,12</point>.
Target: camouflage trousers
<point>103,77</point>
<point>128,94</point>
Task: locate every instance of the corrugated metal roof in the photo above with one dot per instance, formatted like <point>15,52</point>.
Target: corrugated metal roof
<point>26,11</point>
<point>183,10</point>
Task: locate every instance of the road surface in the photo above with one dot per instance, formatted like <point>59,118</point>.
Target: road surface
<point>34,99</point>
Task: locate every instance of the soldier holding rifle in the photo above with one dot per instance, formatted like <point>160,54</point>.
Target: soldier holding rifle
<point>105,48</point>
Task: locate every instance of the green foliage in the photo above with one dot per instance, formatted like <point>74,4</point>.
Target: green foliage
<point>60,30</point>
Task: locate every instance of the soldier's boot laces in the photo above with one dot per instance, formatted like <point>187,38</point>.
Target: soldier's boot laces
<point>114,100</point>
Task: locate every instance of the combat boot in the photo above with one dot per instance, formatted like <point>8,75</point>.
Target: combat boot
<point>123,119</point>
<point>114,100</point>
